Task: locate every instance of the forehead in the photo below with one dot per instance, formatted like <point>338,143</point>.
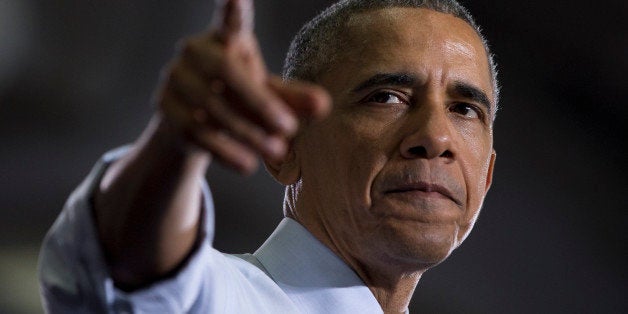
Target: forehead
<point>422,41</point>
<point>411,17</point>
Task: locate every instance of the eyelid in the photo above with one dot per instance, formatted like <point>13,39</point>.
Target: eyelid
<point>479,109</point>
<point>404,97</point>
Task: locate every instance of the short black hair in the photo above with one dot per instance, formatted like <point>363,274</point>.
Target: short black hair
<point>312,47</point>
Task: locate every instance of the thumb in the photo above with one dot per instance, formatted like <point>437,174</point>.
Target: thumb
<point>233,19</point>
<point>306,99</point>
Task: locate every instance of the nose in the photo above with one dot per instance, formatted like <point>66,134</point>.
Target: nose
<point>429,135</point>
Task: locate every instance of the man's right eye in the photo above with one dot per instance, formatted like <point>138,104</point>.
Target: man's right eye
<point>385,97</point>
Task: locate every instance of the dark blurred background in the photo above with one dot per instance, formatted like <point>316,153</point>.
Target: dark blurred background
<point>76,78</point>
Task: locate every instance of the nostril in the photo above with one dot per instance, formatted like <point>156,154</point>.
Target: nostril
<point>421,152</point>
<point>447,154</point>
<point>418,151</point>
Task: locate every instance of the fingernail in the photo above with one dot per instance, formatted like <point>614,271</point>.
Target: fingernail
<point>287,123</point>
<point>248,166</point>
<point>275,147</point>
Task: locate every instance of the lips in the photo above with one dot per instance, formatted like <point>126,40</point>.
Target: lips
<point>424,188</point>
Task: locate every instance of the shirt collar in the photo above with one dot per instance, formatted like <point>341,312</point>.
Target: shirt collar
<point>315,278</point>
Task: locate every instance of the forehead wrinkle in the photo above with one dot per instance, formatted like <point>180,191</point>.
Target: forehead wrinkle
<point>460,48</point>
<point>363,30</point>
<point>368,37</point>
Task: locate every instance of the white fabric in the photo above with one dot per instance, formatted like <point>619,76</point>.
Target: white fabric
<point>292,272</point>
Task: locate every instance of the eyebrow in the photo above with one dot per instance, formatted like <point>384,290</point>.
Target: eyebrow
<point>402,79</point>
<point>472,93</point>
<point>391,79</point>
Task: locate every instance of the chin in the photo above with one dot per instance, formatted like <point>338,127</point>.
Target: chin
<point>417,245</point>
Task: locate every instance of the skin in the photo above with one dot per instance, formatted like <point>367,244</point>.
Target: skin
<point>216,101</point>
<point>410,163</point>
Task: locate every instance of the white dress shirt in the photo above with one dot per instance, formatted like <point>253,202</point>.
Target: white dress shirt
<point>292,272</point>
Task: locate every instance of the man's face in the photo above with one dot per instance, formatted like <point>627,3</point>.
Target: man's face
<point>397,173</point>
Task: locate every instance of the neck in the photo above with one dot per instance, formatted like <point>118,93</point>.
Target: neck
<point>391,283</point>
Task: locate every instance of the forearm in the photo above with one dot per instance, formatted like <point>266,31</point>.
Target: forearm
<point>148,206</point>
<point>219,99</point>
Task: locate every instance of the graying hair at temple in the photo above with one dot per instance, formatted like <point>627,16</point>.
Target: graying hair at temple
<point>310,49</point>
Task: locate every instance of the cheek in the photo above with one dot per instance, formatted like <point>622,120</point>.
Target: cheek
<point>475,160</point>
<point>369,157</point>
<point>350,152</point>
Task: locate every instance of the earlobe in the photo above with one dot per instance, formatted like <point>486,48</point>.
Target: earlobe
<point>489,174</point>
<point>286,171</point>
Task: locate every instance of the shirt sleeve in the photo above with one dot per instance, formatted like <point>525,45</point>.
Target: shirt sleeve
<point>74,277</point>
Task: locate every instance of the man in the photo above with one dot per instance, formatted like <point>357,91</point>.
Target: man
<point>380,186</point>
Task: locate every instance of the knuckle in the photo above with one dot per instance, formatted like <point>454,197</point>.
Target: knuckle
<point>252,135</point>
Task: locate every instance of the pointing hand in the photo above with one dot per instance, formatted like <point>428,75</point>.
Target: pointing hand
<point>218,95</point>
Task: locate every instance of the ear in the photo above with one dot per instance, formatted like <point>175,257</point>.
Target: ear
<point>489,174</point>
<point>286,171</point>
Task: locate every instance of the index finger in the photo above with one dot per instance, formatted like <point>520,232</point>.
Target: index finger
<point>233,19</point>
<point>306,99</point>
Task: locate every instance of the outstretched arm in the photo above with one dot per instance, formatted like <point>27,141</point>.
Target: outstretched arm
<point>216,101</point>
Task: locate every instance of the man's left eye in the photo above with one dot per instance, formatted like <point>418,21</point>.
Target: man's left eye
<point>385,98</point>
<point>467,110</point>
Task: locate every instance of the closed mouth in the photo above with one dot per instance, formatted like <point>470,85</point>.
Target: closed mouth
<point>426,188</point>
